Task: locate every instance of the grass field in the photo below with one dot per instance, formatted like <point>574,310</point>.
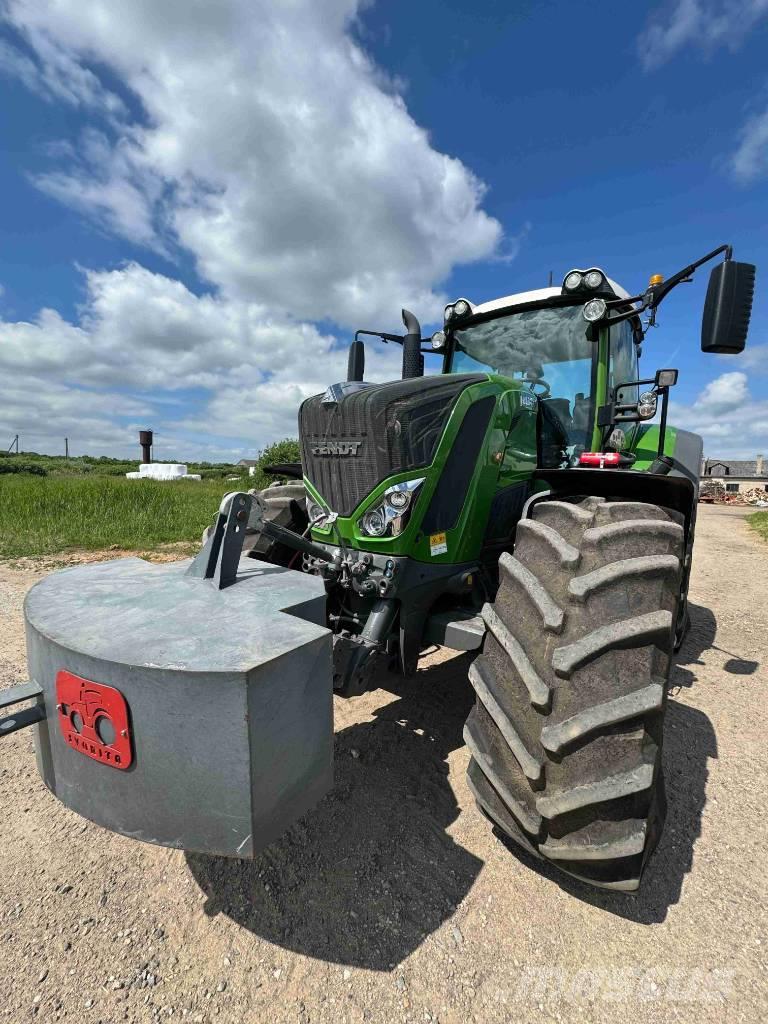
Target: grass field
<point>45,515</point>
<point>759,522</point>
<point>49,504</point>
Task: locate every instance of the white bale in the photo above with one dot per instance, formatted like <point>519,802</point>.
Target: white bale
<point>162,471</point>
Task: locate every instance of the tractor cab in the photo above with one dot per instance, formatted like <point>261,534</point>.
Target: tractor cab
<point>542,340</point>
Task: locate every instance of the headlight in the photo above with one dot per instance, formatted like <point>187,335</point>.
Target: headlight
<point>461,308</point>
<point>646,406</point>
<point>447,314</point>
<point>399,500</point>
<point>375,523</point>
<point>595,310</point>
<point>314,511</point>
<point>593,279</point>
<point>438,340</point>
<point>390,518</point>
<point>573,281</point>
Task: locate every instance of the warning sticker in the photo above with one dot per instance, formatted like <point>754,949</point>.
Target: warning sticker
<point>437,544</point>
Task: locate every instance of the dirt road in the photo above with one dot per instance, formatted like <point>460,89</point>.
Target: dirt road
<point>393,901</point>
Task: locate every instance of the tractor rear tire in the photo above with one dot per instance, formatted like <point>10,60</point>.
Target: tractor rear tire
<point>571,686</point>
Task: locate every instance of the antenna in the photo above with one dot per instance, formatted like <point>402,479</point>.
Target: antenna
<point>550,279</point>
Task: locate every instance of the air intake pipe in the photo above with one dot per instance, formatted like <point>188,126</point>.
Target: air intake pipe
<point>413,360</point>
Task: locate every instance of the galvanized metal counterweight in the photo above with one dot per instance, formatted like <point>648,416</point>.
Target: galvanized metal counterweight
<point>180,712</point>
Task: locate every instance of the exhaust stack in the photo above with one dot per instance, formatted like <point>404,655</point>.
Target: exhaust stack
<point>413,360</point>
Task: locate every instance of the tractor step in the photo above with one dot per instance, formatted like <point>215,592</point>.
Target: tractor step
<point>461,631</point>
<point>180,711</point>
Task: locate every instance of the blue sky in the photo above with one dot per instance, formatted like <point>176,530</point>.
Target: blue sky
<point>201,201</point>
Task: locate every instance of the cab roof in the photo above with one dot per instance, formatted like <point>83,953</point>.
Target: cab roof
<point>536,295</point>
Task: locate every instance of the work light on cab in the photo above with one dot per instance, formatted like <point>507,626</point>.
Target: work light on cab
<point>572,281</point>
<point>595,310</point>
<point>593,279</point>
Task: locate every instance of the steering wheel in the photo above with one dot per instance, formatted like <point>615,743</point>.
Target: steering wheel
<point>542,383</point>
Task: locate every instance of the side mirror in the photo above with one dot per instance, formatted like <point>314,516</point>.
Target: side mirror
<point>728,307</point>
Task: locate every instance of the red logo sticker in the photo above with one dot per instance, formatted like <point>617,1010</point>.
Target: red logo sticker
<point>94,719</point>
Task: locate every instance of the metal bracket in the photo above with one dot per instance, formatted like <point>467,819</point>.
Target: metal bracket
<point>22,719</point>
<point>219,557</point>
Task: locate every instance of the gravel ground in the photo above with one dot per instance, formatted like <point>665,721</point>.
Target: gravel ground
<point>393,900</point>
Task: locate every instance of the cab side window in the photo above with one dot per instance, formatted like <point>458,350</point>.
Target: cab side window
<point>623,361</point>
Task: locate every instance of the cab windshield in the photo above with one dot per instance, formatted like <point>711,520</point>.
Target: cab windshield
<point>548,349</point>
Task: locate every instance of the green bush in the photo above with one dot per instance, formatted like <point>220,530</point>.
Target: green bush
<point>286,450</point>
<point>23,467</point>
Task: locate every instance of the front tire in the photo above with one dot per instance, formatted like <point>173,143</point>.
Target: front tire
<point>284,505</point>
<point>566,733</point>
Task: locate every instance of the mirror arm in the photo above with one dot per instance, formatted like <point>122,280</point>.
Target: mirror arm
<point>653,297</point>
<point>397,338</point>
<point>657,292</point>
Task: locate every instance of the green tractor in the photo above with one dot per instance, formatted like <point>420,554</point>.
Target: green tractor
<point>520,504</point>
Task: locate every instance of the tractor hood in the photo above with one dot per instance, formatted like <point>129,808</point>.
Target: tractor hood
<point>351,445</point>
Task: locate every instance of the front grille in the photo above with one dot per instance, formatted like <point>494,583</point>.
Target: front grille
<point>397,427</point>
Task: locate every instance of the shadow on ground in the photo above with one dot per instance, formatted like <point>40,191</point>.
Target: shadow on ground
<point>700,638</point>
<point>364,877</point>
<point>689,743</point>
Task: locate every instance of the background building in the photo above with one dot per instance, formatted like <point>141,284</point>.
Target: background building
<point>735,475</point>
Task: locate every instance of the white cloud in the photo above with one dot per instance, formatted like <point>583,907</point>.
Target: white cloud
<point>56,76</point>
<point>754,358</point>
<point>93,380</point>
<point>261,139</point>
<point>101,180</point>
<point>708,24</point>
<point>723,394</point>
<point>270,147</point>
<point>750,160</point>
<point>44,411</point>
<point>732,423</point>
<point>703,23</point>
